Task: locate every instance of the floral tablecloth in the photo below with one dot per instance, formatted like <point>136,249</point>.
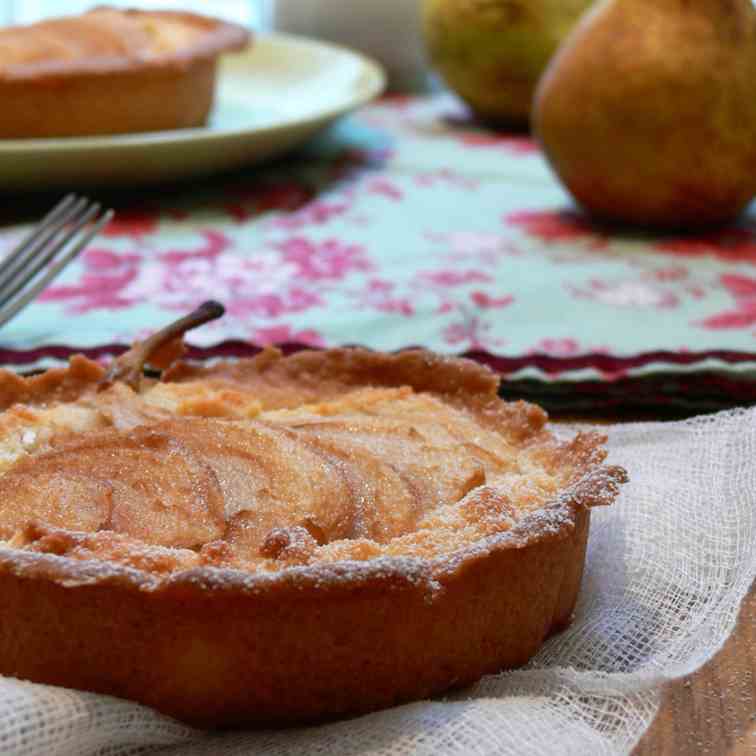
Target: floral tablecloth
<point>406,224</point>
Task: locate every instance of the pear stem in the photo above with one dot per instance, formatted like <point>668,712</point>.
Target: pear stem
<point>129,367</point>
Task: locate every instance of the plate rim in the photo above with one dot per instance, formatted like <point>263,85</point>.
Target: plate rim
<point>375,86</point>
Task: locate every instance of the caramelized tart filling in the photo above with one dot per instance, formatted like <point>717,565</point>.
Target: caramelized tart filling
<point>225,469</point>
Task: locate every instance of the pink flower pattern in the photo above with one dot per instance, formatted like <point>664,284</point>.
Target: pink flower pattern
<point>472,334</point>
<point>381,295</point>
<point>329,260</point>
<point>274,283</point>
<point>743,291</point>
<point>487,302</point>
<point>628,293</point>
<point>103,280</point>
<point>313,214</point>
<point>451,277</point>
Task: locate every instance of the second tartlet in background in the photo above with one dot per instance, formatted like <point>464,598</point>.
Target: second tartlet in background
<point>111,71</point>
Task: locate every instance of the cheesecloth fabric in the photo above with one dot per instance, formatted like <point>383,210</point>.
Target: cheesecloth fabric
<point>668,566</point>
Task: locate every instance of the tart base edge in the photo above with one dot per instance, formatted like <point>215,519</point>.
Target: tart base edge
<point>319,657</point>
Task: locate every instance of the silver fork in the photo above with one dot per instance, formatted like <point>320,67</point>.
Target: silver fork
<point>53,243</point>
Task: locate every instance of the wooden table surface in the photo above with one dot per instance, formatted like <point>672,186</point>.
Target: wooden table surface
<point>714,710</point>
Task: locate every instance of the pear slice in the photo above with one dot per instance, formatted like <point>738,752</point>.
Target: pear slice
<point>129,367</point>
<point>58,498</point>
<point>154,488</point>
<point>262,489</point>
<point>433,473</point>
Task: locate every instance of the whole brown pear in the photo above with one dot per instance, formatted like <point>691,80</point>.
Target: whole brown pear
<point>647,112</point>
<point>492,52</point>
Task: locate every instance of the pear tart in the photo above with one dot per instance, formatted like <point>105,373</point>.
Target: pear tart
<point>111,71</point>
<point>285,539</point>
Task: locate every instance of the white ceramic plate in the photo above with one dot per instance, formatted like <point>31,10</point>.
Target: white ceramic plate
<point>269,99</point>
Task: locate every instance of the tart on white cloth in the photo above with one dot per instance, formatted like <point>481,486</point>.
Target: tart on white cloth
<point>285,539</point>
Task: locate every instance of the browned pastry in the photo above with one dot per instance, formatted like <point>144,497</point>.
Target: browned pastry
<point>285,540</point>
<point>111,71</point>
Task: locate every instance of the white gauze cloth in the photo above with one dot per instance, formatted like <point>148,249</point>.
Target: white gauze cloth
<point>668,566</point>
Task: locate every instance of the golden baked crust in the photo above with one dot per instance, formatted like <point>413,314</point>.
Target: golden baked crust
<point>111,71</point>
<point>285,539</point>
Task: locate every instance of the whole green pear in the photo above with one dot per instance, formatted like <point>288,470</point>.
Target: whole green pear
<point>492,52</point>
<point>648,111</point>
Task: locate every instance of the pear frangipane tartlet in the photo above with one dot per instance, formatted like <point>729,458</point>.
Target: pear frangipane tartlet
<point>284,539</point>
<point>111,71</point>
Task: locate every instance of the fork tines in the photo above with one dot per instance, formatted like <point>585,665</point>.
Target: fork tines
<point>53,243</point>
